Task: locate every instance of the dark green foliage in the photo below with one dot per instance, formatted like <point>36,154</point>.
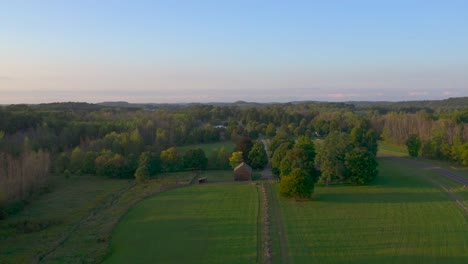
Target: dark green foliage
<point>278,156</point>
<point>195,159</point>
<point>171,160</point>
<point>362,138</point>
<point>89,166</point>
<point>361,166</point>
<point>330,157</point>
<point>66,174</point>
<point>111,165</point>
<point>257,157</point>
<point>297,184</point>
<point>244,144</point>
<point>62,162</point>
<point>219,159</point>
<point>270,130</point>
<point>413,144</point>
<point>76,160</point>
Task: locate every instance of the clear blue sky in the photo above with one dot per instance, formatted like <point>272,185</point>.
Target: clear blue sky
<point>180,51</point>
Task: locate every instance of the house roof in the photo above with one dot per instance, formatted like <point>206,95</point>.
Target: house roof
<point>243,164</point>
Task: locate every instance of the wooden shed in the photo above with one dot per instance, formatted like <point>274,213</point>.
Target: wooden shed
<point>243,172</point>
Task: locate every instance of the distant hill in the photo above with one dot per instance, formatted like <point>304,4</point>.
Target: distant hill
<point>456,103</point>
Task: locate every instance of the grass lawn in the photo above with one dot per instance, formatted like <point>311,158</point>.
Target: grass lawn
<point>389,149</point>
<point>208,148</point>
<point>72,223</point>
<point>400,218</point>
<point>210,223</point>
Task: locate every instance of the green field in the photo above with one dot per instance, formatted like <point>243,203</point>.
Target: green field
<point>388,149</point>
<point>210,223</point>
<point>400,218</point>
<point>73,222</point>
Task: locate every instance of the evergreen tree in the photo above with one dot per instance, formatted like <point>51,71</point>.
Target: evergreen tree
<point>413,144</point>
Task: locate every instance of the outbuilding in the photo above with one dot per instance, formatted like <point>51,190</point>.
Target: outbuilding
<point>243,172</point>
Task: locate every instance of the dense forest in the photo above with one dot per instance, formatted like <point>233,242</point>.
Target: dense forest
<point>326,142</point>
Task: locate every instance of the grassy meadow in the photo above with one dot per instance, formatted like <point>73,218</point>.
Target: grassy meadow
<point>400,218</point>
<point>210,223</point>
<point>73,222</point>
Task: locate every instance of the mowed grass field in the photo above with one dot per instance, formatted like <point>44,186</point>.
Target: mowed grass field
<point>210,223</point>
<point>73,222</point>
<point>400,218</point>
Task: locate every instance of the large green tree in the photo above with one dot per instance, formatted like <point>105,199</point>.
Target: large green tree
<point>297,184</point>
<point>413,143</point>
<point>244,144</point>
<point>330,157</point>
<point>278,155</point>
<point>258,157</point>
<point>171,159</point>
<point>361,166</point>
<point>195,159</point>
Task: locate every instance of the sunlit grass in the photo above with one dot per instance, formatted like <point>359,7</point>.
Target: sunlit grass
<point>210,223</point>
<point>400,218</point>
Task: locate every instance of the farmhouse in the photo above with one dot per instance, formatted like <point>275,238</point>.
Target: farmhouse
<point>243,172</point>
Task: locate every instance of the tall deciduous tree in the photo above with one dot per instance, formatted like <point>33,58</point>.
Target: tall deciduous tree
<point>195,159</point>
<point>235,159</point>
<point>171,159</point>
<point>257,156</point>
<point>330,157</point>
<point>278,156</point>
<point>297,184</point>
<point>244,145</point>
<point>142,172</point>
<point>361,166</point>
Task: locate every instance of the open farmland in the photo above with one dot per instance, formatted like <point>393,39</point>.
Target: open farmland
<point>198,224</point>
<point>400,218</point>
<point>73,222</point>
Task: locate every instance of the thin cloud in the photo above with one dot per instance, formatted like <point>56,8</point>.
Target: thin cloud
<point>417,93</point>
<point>449,93</point>
<point>341,95</point>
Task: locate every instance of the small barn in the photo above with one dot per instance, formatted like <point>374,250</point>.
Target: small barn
<point>243,172</point>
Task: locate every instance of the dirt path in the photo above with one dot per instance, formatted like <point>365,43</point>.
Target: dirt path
<point>273,220</point>
<point>277,220</point>
<point>267,173</point>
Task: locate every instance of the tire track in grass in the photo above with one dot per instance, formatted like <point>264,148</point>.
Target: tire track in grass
<point>275,215</point>
<point>441,172</point>
<point>266,229</point>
